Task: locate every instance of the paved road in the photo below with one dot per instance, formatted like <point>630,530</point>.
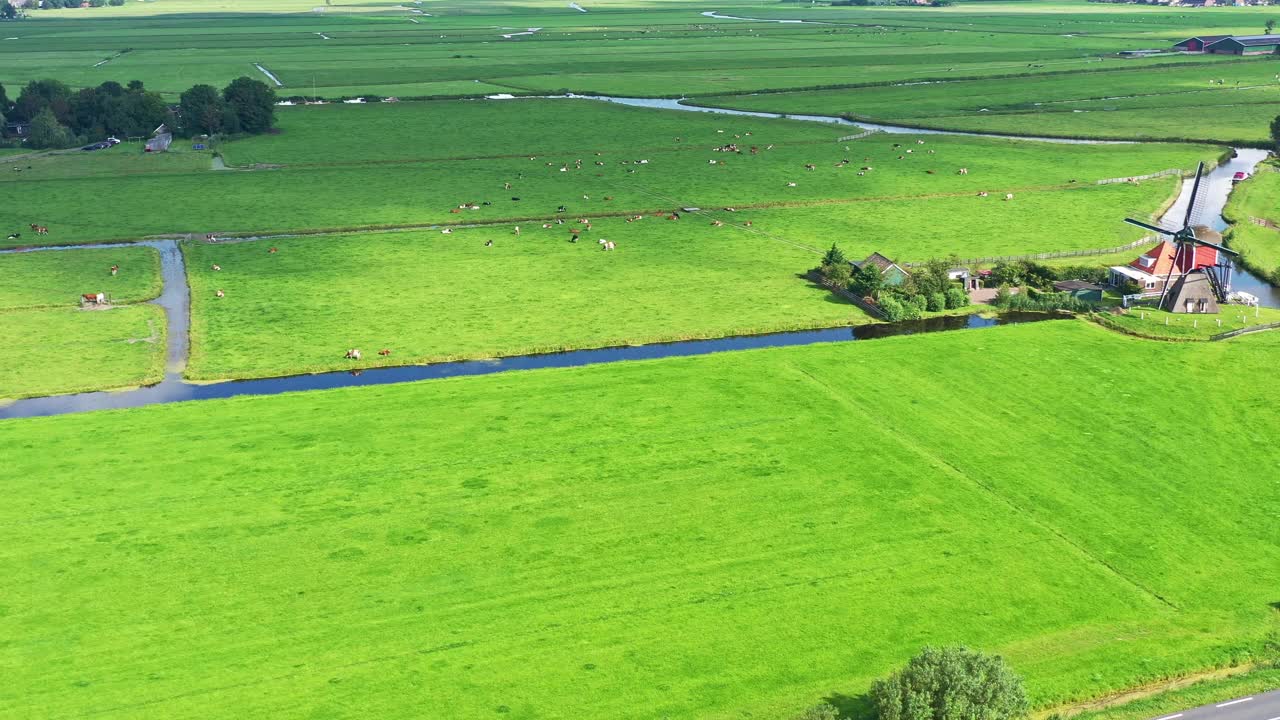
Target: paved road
<point>1263,706</point>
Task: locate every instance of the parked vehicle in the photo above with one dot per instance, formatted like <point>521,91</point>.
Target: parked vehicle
<point>1239,176</point>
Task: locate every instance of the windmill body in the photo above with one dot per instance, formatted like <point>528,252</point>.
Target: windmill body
<point>1192,267</point>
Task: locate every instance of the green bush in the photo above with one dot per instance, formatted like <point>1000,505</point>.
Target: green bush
<point>821,711</point>
<point>957,298</point>
<point>919,302</point>
<point>953,683</point>
<point>1002,296</point>
<point>936,302</point>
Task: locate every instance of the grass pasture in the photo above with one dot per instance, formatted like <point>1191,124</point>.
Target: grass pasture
<point>665,538</point>
<point>49,279</point>
<point>55,351</point>
<point>1257,199</point>
<point>432,297</point>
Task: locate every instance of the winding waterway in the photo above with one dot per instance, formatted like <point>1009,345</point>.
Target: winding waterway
<point>175,299</point>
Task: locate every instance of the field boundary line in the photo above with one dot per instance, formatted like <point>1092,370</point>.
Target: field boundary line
<point>914,445</point>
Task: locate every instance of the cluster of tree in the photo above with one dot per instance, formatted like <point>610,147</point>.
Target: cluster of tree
<point>950,683</point>
<point>1043,276</point>
<point>61,117</point>
<point>59,4</point>
<point>1275,133</point>
<point>1034,300</point>
<point>929,288</point>
<point>244,106</point>
<point>7,11</point>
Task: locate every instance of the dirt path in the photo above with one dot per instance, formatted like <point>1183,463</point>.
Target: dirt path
<point>1142,692</point>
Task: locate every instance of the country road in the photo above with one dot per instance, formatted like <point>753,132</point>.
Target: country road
<point>1263,706</point>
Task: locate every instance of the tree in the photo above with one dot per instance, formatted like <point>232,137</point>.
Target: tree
<point>1275,132</point>
<point>936,302</point>
<point>1003,293</point>
<point>47,132</point>
<point>41,94</point>
<point>957,298</point>
<point>952,683</point>
<point>834,256</point>
<point>867,281</point>
<point>7,11</point>
<point>4,100</point>
<point>203,110</point>
<point>254,104</point>
<point>1270,26</point>
<point>136,86</point>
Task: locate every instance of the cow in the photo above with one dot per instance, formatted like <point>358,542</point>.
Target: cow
<point>41,230</point>
<point>353,354</point>
<point>1008,196</point>
<point>963,171</point>
<point>115,270</point>
<point>384,352</point>
<point>273,251</point>
<point>216,267</point>
<point>15,236</point>
<point>219,293</point>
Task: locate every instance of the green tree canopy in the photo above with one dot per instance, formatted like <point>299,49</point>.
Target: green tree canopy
<point>41,94</point>
<point>952,683</point>
<point>1275,132</point>
<point>7,11</point>
<point>253,102</point>
<point>47,132</point>
<point>834,256</point>
<point>203,110</point>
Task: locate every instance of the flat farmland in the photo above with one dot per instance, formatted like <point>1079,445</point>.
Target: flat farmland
<point>432,297</point>
<point>53,351</point>
<point>647,160</point>
<point>669,537</point>
<point>1123,104</point>
<point>1254,208</point>
<point>50,279</point>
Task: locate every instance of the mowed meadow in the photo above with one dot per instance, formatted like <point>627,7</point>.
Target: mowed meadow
<point>48,346</point>
<point>742,533</point>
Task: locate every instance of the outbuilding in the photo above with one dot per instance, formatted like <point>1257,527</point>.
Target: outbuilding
<point>1198,43</point>
<point>1081,290</point>
<point>891,273</point>
<point>1245,45</point>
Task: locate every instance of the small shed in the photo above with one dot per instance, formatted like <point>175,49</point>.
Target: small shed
<point>1081,290</point>
<point>1245,45</point>
<point>160,143</point>
<point>892,274</point>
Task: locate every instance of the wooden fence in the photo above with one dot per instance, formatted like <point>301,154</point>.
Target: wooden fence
<point>1245,331</point>
<point>1051,255</point>
<point>872,310</point>
<point>857,136</point>
<point>1152,176</point>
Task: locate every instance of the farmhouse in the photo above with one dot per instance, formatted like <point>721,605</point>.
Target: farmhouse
<point>1164,263</point>
<point>159,143</point>
<point>891,273</point>
<point>1245,45</point>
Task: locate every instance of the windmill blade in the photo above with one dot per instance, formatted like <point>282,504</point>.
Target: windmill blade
<point>1152,228</point>
<point>1195,192</point>
<point>1219,248</point>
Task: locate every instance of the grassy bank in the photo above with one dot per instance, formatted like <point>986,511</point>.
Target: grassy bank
<point>1201,693</point>
<point>1252,201</point>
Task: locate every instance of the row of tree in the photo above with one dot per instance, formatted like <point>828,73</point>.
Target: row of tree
<point>62,117</point>
<point>9,12</point>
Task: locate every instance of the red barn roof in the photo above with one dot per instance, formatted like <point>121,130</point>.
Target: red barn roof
<point>1166,259</point>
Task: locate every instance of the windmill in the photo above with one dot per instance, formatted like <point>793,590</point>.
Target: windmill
<point>1193,273</point>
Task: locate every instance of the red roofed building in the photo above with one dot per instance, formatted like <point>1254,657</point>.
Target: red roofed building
<point>1165,262</point>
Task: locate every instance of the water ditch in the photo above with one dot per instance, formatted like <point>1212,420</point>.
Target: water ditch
<point>173,389</point>
<point>175,299</point>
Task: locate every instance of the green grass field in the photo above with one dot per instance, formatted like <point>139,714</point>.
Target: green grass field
<point>704,537</point>
<point>1201,693</point>
<point>431,297</point>
<point>64,350</point>
<point>46,279</point>
<point>1159,324</point>
<point>1257,199</point>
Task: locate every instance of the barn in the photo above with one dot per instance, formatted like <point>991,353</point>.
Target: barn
<point>1245,45</point>
<point>1198,43</point>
